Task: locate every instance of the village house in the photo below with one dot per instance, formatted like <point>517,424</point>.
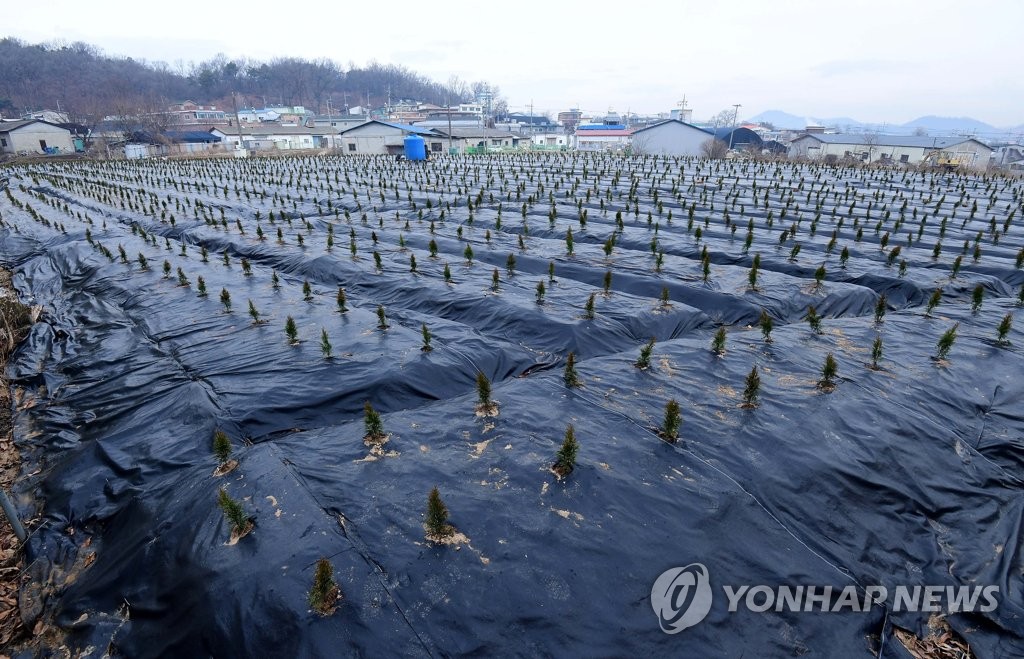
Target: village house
<point>28,136</point>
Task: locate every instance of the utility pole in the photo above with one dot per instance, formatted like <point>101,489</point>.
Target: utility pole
<point>328,121</point>
<point>238,123</point>
<point>448,102</point>
<point>735,115</point>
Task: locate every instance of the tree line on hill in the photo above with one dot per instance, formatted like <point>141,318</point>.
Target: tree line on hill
<point>88,84</point>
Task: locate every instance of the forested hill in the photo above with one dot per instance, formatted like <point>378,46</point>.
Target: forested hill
<point>88,83</point>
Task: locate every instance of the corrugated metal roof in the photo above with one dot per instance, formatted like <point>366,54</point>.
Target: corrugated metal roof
<point>672,121</point>
<point>8,126</point>
<point>407,128</point>
<point>919,141</point>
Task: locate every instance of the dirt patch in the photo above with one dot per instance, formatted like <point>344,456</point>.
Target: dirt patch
<point>15,321</point>
<point>940,643</point>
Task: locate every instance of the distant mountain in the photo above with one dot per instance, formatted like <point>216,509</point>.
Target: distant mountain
<point>779,119</point>
<point>939,125</point>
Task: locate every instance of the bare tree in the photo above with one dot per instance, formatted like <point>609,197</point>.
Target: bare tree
<point>723,118</point>
<point>870,140</point>
<point>714,149</point>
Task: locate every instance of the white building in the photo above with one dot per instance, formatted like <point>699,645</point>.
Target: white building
<point>904,149</point>
<point>271,136</point>
<point>34,136</point>
<point>669,138</point>
<point>380,137</point>
<point>601,139</point>
<point>550,140</point>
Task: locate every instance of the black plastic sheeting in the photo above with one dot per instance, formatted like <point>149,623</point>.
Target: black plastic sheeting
<point>910,475</point>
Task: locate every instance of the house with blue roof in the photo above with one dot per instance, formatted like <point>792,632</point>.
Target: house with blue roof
<point>377,137</point>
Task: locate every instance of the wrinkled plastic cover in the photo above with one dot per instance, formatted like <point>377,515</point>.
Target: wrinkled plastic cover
<point>908,475</point>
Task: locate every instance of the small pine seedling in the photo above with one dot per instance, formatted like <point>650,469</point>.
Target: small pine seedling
<point>876,352</point>
<point>673,420</point>
<point>644,362</point>
<point>718,343</point>
<point>828,372</point>
<point>225,299</point>
<point>571,377</point>
<point>382,319</point>
<point>437,516</point>
<point>483,390</point>
<point>607,282</point>
<point>325,591</point>
<point>233,512</point>
<point>541,290</point>
<point>291,330</point>
<point>933,301</point>
<point>221,446</point>
<point>342,300</point>
<point>752,388</point>
<point>426,338</point>
<point>373,423</point>
<point>254,313</point>
<point>588,309</point>
<point>880,308</point>
<point>201,286</point>
<point>813,319</point>
<point>325,343</point>
<point>307,291</point>
<point>566,460</point>
<point>1005,325</point>
<point>977,297</point>
<point>946,342</point>
<point>766,326</point>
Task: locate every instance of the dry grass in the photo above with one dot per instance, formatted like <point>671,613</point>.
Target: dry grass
<point>15,321</point>
<point>940,643</point>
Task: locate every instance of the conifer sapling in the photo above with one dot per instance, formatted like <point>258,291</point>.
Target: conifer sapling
<point>1005,325</point>
<point>437,516</point>
<point>718,343</point>
<point>221,446</point>
<point>325,343</point>
<point>325,591</point>
<point>813,319</point>
<point>880,308</point>
<point>240,522</point>
<point>426,338</point>
<point>571,377</point>
<point>382,319</point>
<point>876,352</point>
<point>225,299</point>
<point>933,301</point>
<point>828,372</point>
<point>566,460</point>
<point>373,423</point>
<point>752,388</point>
<point>946,341</point>
<point>766,326</point>
<point>588,309</point>
<point>977,297</point>
<point>291,330</point>
<point>644,362</point>
<point>672,421</point>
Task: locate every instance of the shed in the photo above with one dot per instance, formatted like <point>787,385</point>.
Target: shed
<point>669,138</point>
<point>34,136</point>
<point>382,137</point>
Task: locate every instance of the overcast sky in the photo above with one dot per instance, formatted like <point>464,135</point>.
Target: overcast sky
<point>871,60</point>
